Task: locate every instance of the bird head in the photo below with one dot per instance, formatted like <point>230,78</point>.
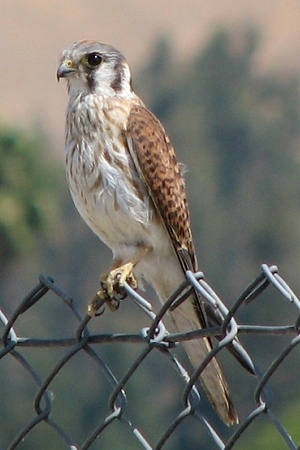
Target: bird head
<point>92,67</point>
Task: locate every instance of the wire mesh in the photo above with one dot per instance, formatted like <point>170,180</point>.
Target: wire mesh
<point>151,338</point>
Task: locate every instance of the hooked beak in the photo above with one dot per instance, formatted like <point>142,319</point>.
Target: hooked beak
<point>65,69</point>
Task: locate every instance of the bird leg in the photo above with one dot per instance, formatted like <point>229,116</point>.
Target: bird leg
<point>116,278</point>
<point>112,284</point>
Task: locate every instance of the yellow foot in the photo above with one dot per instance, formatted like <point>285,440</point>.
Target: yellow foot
<point>114,282</point>
<point>97,301</point>
<point>112,289</point>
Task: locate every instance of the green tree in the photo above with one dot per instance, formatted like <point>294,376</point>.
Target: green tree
<point>28,191</point>
<point>237,131</point>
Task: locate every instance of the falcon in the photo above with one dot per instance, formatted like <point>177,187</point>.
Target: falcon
<point>127,185</point>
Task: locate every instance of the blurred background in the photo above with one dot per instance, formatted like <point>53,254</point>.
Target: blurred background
<point>223,77</point>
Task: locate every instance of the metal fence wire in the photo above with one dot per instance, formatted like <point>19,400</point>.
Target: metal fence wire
<point>151,339</point>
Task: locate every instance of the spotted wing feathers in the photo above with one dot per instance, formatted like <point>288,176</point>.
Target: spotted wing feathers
<point>157,165</point>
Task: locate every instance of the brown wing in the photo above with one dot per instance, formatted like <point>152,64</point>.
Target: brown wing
<point>157,165</point>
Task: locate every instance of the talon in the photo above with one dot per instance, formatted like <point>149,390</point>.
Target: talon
<point>98,314</point>
<point>113,304</point>
<point>95,304</point>
<point>116,278</point>
<point>112,289</point>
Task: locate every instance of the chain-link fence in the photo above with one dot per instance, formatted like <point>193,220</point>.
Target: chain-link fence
<point>151,339</point>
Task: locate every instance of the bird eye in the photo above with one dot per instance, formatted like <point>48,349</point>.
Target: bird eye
<point>94,59</point>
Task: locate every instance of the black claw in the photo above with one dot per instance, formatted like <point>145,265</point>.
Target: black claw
<point>98,314</point>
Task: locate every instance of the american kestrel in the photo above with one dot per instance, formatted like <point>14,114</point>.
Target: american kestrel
<point>127,185</point>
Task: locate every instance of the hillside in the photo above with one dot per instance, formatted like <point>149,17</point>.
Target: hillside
<point>34,33</point>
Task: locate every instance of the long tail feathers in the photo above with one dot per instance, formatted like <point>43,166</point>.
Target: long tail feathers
<point>185,319</point>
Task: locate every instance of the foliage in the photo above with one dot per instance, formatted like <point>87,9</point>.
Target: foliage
<point>28,191</point>
<point>237,131</point>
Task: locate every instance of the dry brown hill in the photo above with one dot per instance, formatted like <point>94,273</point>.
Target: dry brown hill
<point>34,32</point>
